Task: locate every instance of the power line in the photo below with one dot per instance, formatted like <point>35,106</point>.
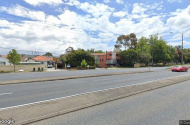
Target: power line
<point>33,52</point>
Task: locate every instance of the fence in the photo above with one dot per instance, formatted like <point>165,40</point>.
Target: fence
<point>30,68</point>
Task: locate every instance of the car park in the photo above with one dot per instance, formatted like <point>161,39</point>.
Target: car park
<point>179,69</point>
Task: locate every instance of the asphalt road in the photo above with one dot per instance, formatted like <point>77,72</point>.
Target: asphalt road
<point>18,94</point>
<point>35,75</point>
<point>164,106</point>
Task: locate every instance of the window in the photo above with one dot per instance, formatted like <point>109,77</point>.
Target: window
<point>110,54</point>
<point>116,54</point>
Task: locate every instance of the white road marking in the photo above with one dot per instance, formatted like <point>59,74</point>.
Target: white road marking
<point>17,106</point>
<point>6,93</point>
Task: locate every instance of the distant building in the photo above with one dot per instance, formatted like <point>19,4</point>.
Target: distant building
<point>112,59</point>
<point>4,60</point>
<point>97,57</point>
<point>44,60</point>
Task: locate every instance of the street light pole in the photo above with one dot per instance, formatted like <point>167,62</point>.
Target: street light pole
<point>182,50</point>
<point>106,59</point>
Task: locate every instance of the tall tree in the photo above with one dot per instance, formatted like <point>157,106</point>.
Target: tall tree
<point>123,40</point>
<point>127,41</point>
<point>133,40</point>
<point>13,57</point>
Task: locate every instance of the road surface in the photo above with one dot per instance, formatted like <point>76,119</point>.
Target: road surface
<point>164,106</point>
<point>18,94</point>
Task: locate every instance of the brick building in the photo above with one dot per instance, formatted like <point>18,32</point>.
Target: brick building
<point>112,59</point>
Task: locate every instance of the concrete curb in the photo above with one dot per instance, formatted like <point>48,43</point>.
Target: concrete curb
<point>28,113</point>
<point>63,78</point>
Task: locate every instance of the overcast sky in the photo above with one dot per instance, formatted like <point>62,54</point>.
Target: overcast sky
<point>54,25</point>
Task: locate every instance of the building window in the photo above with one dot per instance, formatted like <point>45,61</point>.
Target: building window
<point>102,60</point>
<point>110,54</point>
<point>116,54</point>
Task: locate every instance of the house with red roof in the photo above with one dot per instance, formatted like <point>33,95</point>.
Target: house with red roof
<point>45,60</point>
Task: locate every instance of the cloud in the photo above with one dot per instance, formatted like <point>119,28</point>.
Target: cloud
<point>119,1</point>
<point>24,12</point>
<point>106,1</point>
<point>179,20</point>
<point>138,8</point>
<point>40,2</point>
<point>96,10</point>
<point>120,14</point>
<point>93,28</point>
<point>171,1</point>
<point>40,36</point>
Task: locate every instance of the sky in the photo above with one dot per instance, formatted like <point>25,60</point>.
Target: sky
<point>53,25</point>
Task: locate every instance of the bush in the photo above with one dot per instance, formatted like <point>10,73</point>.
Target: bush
<point>83,63</point>
<point>75,57</point>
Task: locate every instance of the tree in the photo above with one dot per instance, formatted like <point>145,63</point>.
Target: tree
<point>123,40</point>
<point>160,51</point>
<point>177,56</point>
<point>13,57</point>
<point>48,54</point>
<point>117,47</point>
<point>91,50</point>
<point>143,45</point>
<point>128,57</point>
<point>94,51</point>
<point>69,49</point>
<point>75,58</point>
<point>133,41</point>
<point>187,54</point>
<point>54,59</point>
<point>63,60</point>
<point>99,51</point>
<point>127,41</point>
<point>144,58</point>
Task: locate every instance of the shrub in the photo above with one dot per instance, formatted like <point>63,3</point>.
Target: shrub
<point>83,63</point>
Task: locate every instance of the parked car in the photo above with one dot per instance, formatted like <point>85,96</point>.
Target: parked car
<point>68,66</point>
<point>179,69</point>
<point>49,66</point>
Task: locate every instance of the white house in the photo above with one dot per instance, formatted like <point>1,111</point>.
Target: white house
<point>4,60</point>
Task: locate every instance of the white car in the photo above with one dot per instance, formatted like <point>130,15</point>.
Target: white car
<point>49,66</point>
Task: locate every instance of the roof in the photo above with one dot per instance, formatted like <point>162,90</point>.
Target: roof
<point>42,58</point>
<point>5,56</point>
<point>97,54</point>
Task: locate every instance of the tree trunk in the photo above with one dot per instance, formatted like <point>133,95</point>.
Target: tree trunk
<point>14,68</point>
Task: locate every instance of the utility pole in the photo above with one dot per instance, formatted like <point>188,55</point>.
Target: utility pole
<point>106,59</point>
<point>182,50</point>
